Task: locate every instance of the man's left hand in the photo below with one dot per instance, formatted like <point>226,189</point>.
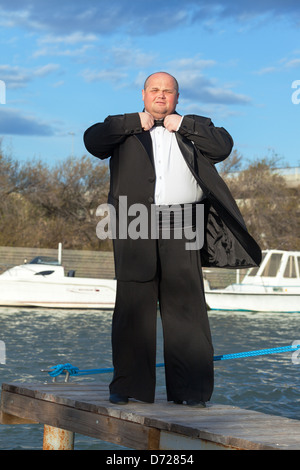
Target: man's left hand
<point>171,122</point>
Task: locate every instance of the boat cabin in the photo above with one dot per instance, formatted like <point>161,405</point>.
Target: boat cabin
<point>276,265</point>
<point>39,266</point>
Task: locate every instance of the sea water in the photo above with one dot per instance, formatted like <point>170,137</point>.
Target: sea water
<point>37,339</point>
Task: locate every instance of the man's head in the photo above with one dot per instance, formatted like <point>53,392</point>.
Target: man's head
<point>160,94</point>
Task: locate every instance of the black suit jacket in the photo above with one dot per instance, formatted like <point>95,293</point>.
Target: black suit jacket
<point>227,242</point>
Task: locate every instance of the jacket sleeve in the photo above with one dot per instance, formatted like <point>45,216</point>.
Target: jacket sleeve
<point>215,143</point>
<point>101,138</point>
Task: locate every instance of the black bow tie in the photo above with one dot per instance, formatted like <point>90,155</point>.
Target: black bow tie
<point>159,122</point>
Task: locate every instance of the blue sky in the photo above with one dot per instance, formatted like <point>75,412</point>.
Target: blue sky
<point>68,64</point>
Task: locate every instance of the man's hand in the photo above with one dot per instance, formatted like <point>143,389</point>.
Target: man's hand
<point>147,121</point>
<point>172,121</point>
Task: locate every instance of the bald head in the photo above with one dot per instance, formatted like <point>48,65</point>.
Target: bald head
<point>176,86</point>
<point>160,94</point>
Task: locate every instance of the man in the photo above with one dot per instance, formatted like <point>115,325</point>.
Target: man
<point>161,158</point>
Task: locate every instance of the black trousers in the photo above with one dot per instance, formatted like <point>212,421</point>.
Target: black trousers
<point>188,350</point>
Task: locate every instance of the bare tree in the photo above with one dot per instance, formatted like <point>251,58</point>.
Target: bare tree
<point>270,208</point>
<point>231,164</point>
<point>42,206</point>
<point>45,206</point>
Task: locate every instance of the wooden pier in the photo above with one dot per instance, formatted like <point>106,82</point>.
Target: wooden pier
<point>69,408</point>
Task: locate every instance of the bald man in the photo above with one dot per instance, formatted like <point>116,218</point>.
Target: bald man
<point>160,160</point>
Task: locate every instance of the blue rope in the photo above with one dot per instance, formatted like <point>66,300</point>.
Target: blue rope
<point>260,352</point>
<point>72,370</point>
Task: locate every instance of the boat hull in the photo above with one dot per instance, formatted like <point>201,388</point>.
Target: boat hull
<point>72,293</point>
<point>253,302</point>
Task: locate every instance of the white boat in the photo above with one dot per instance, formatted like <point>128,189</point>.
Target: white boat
<point>273,287</point>
<point>43,283</point>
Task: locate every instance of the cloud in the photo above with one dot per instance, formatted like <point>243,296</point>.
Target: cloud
<point>111,75</point>
<point>219,95</point>
<point>55,50</point>
<point>246,9</point>
<point>138,16</point>
<point>18,77</point>
<point>194,86</point>
<point>266,70</point>
<point>281,65</point>
<point>247,13</point>
<point>45,70</point>
<point>128,56</point>
<point>12,122</point>
<point>71,39</point>
<point>204,90</point>
<point>192,63</point>
<point>14,76</point>
<point>292,63</point>
<point>94,17</point>
<point>121,61</point>
<point>64,45</point>
<point>197,88</point>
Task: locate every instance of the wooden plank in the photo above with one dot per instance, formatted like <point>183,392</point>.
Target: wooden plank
<point>6,418</point>
<point>99,426</point>
<point>85,409</point>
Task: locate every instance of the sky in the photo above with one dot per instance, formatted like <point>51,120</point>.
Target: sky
<point>65,65</point>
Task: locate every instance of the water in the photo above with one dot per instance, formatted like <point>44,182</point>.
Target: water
<point>36,339</point>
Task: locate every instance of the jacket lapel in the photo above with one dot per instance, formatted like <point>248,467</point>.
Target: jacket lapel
<point>187,149</point>
<point>146,141</point>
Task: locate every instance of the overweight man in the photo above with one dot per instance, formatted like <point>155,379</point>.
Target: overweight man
<point>161,160</point>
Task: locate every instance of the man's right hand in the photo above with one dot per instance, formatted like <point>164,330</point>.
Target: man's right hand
<point>147,121</point>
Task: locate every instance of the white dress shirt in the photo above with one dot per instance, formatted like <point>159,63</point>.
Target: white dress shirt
<point>175,184</point>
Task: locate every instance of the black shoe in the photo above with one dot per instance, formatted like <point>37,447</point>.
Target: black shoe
<point>118,399</point>
<point>196,404</point>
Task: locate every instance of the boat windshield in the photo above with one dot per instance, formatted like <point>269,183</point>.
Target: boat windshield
<point>44,260</point>
<point>272,265</point>
<point>290,270</point>
<point>253,271</point>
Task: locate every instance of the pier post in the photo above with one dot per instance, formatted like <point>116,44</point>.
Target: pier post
<point>57,439</point>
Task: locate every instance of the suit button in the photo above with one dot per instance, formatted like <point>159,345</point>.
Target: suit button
<point>150,199</point>
<point>151,180</point>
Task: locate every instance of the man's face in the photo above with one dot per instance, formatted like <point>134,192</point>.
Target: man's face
<point>161,96</point>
